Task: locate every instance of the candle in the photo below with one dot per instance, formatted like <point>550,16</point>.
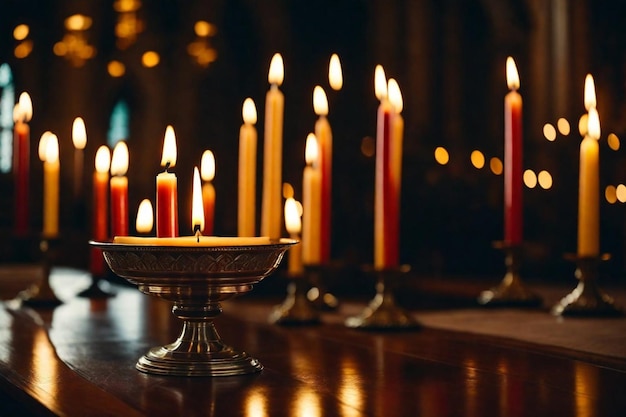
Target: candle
<point>512,157</point>
<point>145,217</point>
<point>247,171</point>
<point>272,152</point>
<point>207,169</point>
<point>392,199</point>
<point>335,75</point>
<point>311,201</point>
<point>79,138</point>
<point>324,136</point>
<point>119,190</point>
<point>22,113</point>
<point>51,168</point>
<point>293,224</point>
<point>100,225</point>
<point>167,189</point>
<point>197,206</point>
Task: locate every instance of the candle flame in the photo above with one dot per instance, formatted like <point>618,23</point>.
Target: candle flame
<point>197,206</point>
<point>248,111</point>
<point>103,159</point>
<point>26,105</point>
<point>145,217</point>
<point>512,77</point>
<point>293,223</point>
<point>380,83</point>
<point>207,166</point>
<point>79,133</point>
<point>320,102</point>
<point>41,150</point>
<point>288,191</point>
<point>52,148</point>
<point>311,151</point>
<point>119,161</point>
<point>395,96</point>
<point>593,124</point>
<point>335,75</point>
<point>168,158</point>
<point>590,93</point>
<point>277,70</point>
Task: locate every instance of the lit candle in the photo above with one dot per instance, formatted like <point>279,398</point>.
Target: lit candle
<point>167,189</point>
<point>207,169</point>
<point>51,168</point>
<point>272,152</point>
<point>100,226</point>
<point>324,136</point>
<point>311,201</point>
<point>335,75</point>
<point>22,113</point>
<point>145,217</point>
<point>293,224</point>
<point>392,201</point>
<point>197,205</point>
<point>119,190</point>
<point>247,171</point>
<point>79,138</point>
<point>589,183</point>
<point>512,157</point>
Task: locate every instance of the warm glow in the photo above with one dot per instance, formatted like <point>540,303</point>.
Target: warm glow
<point>145,217</point>
<point>610,194</point>
<point>590,93</point>
<point>478,159</point>
<point>21,32</point>
<point>395,96</point>
<point>79,133</point>
<point>310,150</point>
<point>335,75</point>
<point>307,403</point>
<point>563,125</point>
<point>23,49</point>
<point>197,207</point>
<point>512,77</point>
<point>613,141</point>
<point>103,159</point>
<point>207,166</point>
<point>288,191</point>
<point>545,180</point>
<point>116,69</point>
<point>119,161</point>
<point>256,402</point>
<point>582,124</point>
<point>293,223</point>
<point>320,102</point>
<point>530,179</point>
<point>78,22</point>
<point>620,193</point>
<point>248,111</point>
<point>277,70</point>
<point>23,110</point>
<point>168,158</point>
<point>52,148</point>
<point>441,155</point>
<point>549,132</point>
<point>593,124</point>
<point>202,28</point>
<point>380,83</point>
<point>496,165</point>
<point>150,59</point>
<point>41,151</point>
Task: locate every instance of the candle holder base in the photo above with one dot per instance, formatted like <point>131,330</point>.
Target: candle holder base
<point>587,299</point>
<point>41,295</point>
<point>95,289</point>
<point>511,292</point>
<point>383,313</point>
<point>296,309</point>
<point>318,294</point>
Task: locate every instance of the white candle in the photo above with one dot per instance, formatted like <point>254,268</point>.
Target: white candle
<point>293,224</point>
<point>311,195</point>
<point>247,171</point>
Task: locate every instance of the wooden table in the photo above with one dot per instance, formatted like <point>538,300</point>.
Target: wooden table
<point>78,360</point>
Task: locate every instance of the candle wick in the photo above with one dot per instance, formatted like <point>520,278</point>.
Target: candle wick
<point>196,229</point>
<point>167,165</point>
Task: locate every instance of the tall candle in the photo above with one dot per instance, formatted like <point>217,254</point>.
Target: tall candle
<point>197,205</point>
<point>207,169</point>
<point>392,199</point>
<point>119,190</point>
<point>311,201</point>
<point>51,168</point>
<point>247,171</point>
<point>167,189</point>
<point>100,224</point>
<point>324,136</point>
<point>512,157</point>
<point>293,224</point>
<point>272,152</point>
<point>22,113</point>
<point>145,217</point>
<point>79,139</point>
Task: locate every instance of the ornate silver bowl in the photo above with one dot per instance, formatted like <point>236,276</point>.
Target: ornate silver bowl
<point>196,279</point>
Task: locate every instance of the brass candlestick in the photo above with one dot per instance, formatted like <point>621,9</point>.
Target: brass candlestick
<point>196,279</point>
<point>511,292</point>
<point>587,299</point>
<point>41,295</point>
<point>296,309</point>
<point>383,313</point>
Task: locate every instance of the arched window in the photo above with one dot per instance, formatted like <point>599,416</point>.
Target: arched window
<point>118,123</point>
<point>7,101</point>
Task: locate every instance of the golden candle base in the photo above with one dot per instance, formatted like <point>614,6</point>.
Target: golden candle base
<point>318,294</point>
<point>383,313</point>
<point>511,292</point>
<point>196,279</point>
<point>587,299</point>
<point>41,295</point>
<point>296,309</point>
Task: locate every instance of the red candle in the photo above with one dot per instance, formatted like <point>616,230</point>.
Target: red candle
<point>512,157</point>
<point>100,225</point>
<point>119,190</point>
<point>167,189</point>
<point>22,113</point>
<point>324,137</point>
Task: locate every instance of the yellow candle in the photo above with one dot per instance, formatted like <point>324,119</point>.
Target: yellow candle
<point>311,195</point>
<point>247,171</point>
<point>589,190</point>
<point>324,137</point>
<point>51,168</point>
<point>186,241</point>
<point>293,224</point>
<point>272,152</point>
<point>207,169</point>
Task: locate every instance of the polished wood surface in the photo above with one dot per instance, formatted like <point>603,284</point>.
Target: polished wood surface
<point>78,360</point>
